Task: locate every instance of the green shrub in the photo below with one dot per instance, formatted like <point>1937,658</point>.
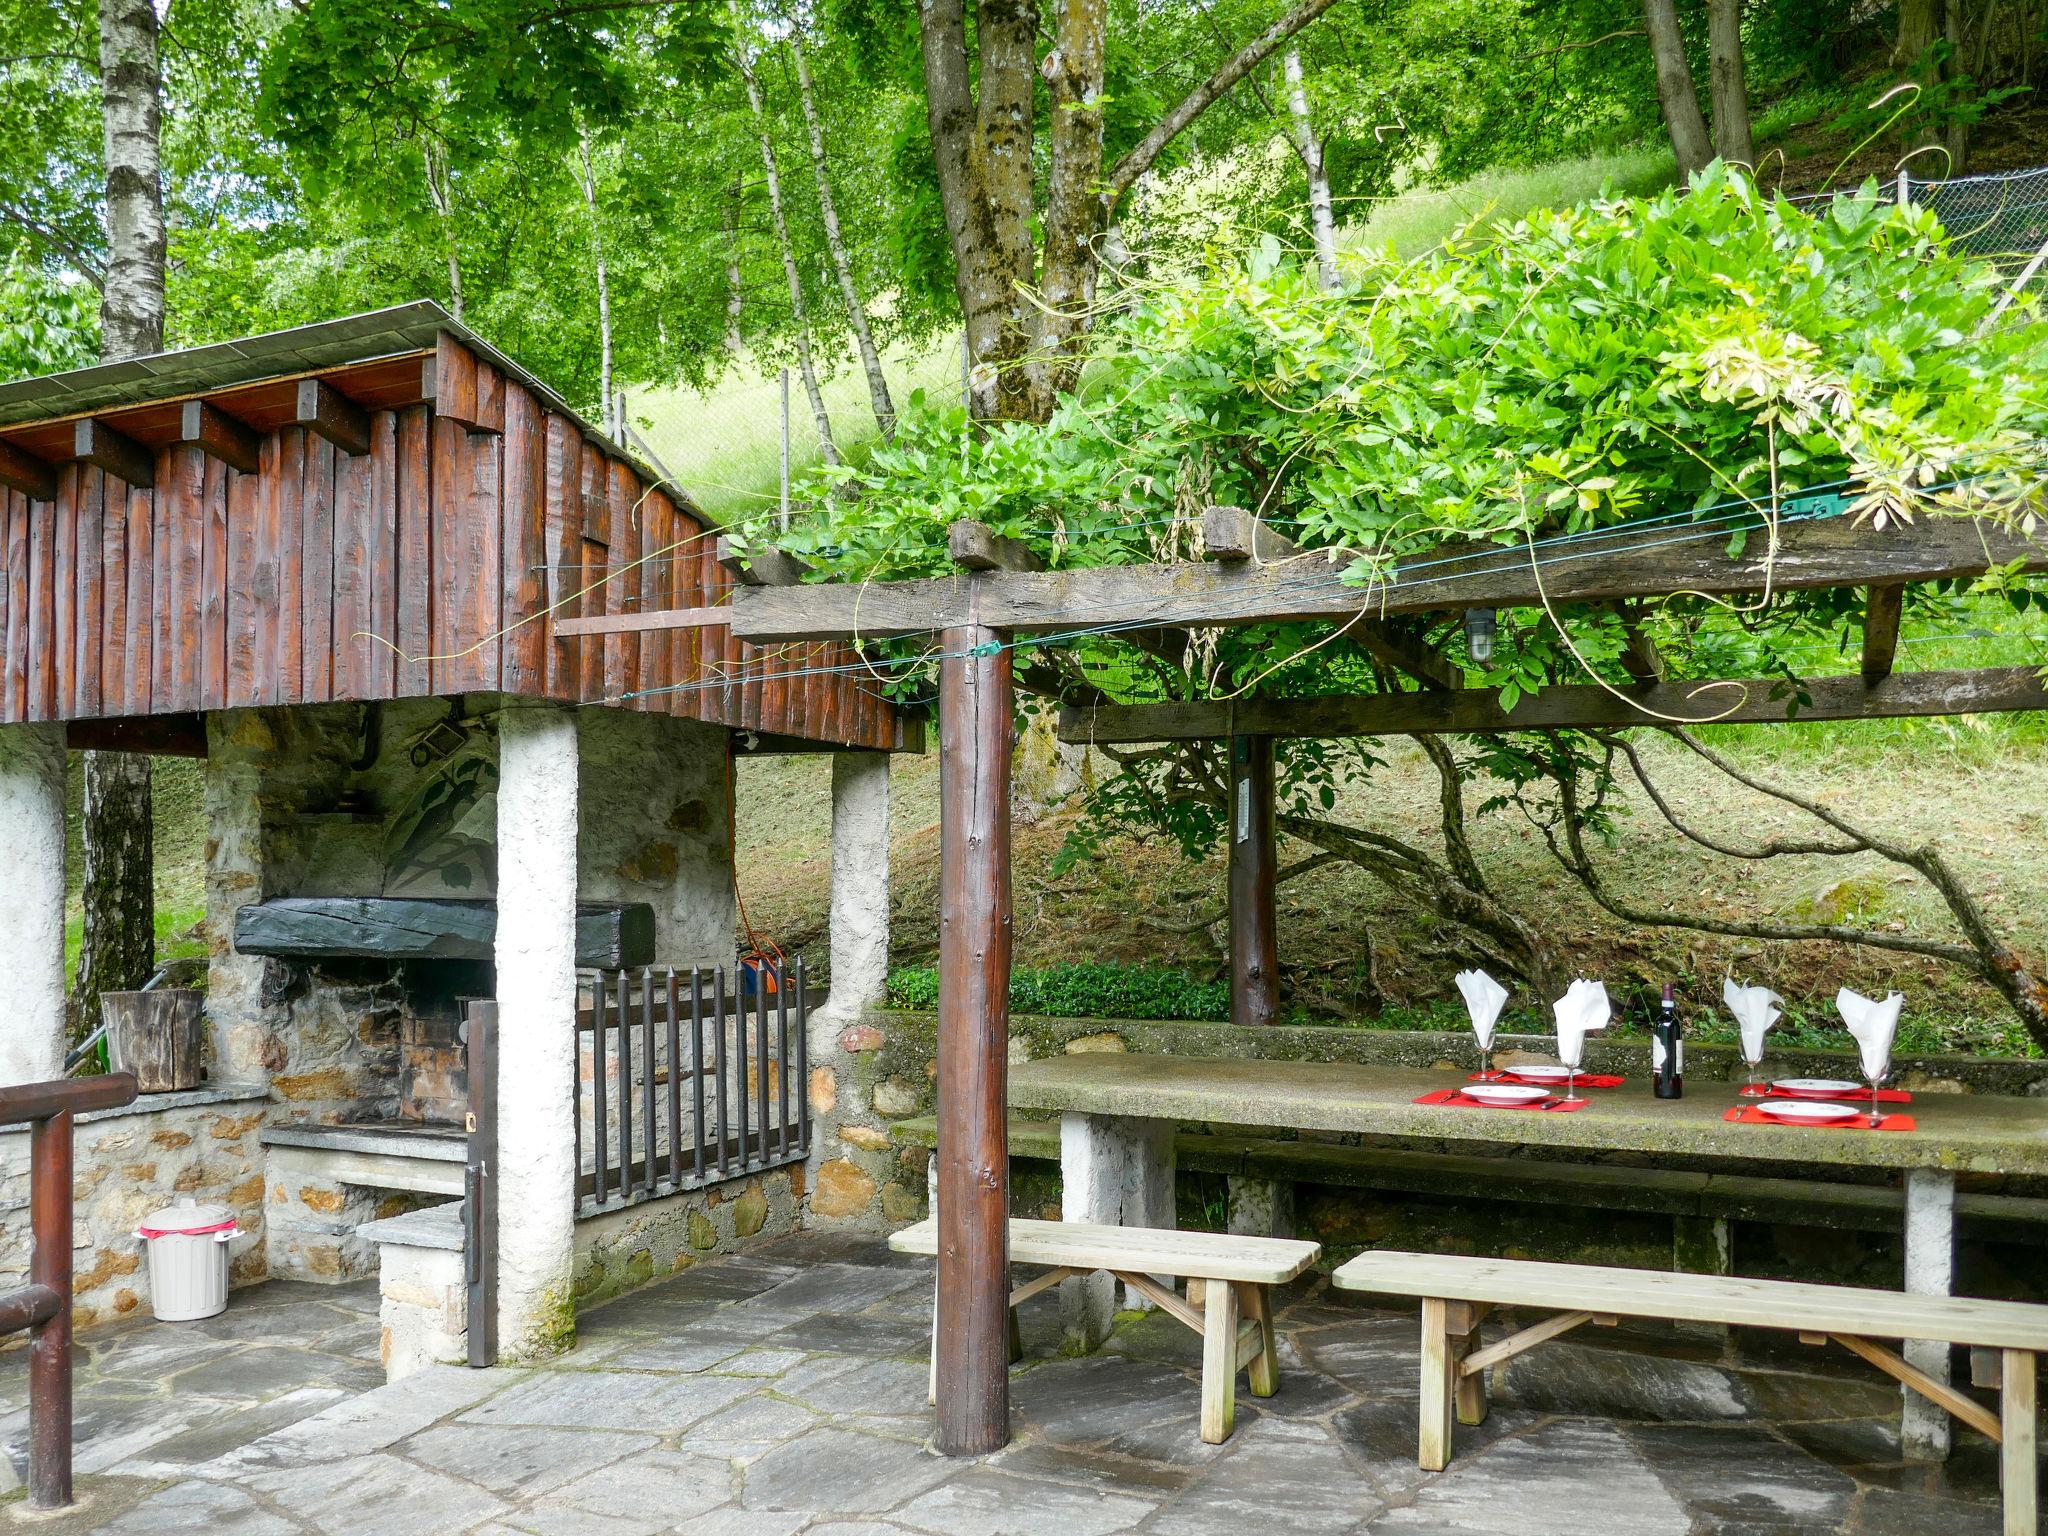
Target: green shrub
<point>1085,992</point>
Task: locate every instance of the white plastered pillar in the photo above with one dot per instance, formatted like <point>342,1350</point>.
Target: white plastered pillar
<point>32,1031</point>
<point>536,966</point>
<point>860,880</point>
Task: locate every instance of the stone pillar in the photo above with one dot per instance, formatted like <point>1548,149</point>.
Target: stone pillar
<point>1115,1171</point>
<point>32,1033</point>
<point>1930,1271</point>
<point>1261,1207</point>
<point>860,880</point>
<point>536,977</point>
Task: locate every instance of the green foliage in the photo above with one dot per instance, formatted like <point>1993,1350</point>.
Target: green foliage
<point>1101,991</point>
<point>1585,367</point>
<point>47,324</point>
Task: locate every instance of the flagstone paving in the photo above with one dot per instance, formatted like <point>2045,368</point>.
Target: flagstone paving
<point>784,1392</point>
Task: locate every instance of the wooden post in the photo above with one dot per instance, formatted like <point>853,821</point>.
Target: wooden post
<point>1254,934</point>
<point>2019,1412</point>
<point>1439,1386</point>
<point>480,1180</point>
<point>972,1382</point>
<point>49,1358</point>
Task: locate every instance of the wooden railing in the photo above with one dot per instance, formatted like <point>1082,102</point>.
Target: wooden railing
<point>43,1306</point>
<point>687,1078</point>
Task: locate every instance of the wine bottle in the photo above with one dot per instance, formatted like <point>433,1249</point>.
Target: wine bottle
<point>1670,1048</point>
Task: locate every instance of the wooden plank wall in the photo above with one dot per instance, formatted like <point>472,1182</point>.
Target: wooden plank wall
<point>428,565</point>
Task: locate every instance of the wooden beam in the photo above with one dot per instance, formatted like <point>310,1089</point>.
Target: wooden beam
<point>94,442</point>
<point>1639,656</point>
<point>22,471</point>
<point>1254,927</point>
<point>1821,552</point>
<point>1744,701</point>
<point>325,410</point>
<point>1232,533</point>
<point>975,547</point>
<point>764,567</point>
<point>1972,1413</point>
<point>1883,607</point>
<point>175,735</point>
<point>640,623</point>
<point>218,435</point>
<point>461,388</point>
<point>972,1375</point>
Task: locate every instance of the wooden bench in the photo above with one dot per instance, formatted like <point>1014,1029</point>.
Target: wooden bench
<point>1457,1292</point>
<point>1235,1272</point>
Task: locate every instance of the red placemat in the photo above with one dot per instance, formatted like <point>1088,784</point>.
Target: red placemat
<point>1510,1075</point>
<point>1773,1091</point>
<point>1749,1114</point>
<point>1456,1099</point>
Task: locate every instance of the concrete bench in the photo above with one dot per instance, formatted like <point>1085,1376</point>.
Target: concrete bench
<point>1457,1292</point>
<point>1235,1273</point>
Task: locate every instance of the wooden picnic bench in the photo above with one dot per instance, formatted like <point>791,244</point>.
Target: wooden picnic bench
<point>1235,1273</point>
<point>1457,1293</point>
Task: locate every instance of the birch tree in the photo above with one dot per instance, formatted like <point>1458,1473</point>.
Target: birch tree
<point>117,950</point>
<point>828,450</point>
<point>587,179</point>
<point>835,245</point>
<point>1322,222</point>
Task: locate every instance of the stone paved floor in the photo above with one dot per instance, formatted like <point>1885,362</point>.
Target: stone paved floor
<point>784,1392</point>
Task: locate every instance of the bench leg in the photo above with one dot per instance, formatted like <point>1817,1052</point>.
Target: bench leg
<point>1257,1303</point>
<point>1930,1271</point>
<point>2018,1411</point>
<point>1439,1373</point>
<point>1470,1391</point>
<point>1219,1364</point>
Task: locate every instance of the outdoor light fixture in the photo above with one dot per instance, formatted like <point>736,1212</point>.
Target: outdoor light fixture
<point>1479,629</point>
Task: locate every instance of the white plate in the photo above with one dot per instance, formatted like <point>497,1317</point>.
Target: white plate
<point>1542,1072</point>
<point>1816,1087</point>
<point>1809,1111</point>
<point>1504,1093</point>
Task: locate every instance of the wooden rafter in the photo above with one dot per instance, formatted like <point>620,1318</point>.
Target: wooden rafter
<point>1613,565</point>
<point>218,435</point>
<point>94,442</point>
<point>1883,607</point>
<point>765,567</point>
<point>26,473</point>
<point>1762,700</point>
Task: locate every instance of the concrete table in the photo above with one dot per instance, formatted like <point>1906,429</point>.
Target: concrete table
<point>1118,1114</point>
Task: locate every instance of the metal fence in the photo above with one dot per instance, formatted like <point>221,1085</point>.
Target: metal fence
<point>2002,216</point>
<point>683,1081</point>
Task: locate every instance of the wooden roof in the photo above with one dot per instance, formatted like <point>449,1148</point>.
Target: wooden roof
<point>375,507</point>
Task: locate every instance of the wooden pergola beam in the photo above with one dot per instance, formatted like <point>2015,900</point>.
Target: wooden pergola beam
<point>1883,607</point>
<point>765,567</point>
<point>976,547</point>
<point>1824,552</point>
<point>1762,700</point>
<point>325,411</point>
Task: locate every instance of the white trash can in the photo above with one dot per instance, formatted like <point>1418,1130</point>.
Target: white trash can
<point>188,1260</point>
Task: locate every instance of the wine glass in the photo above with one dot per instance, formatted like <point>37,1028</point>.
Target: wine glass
<point>1486,1062</point>
<point>1877,1082</point>
<point>1754,1089</point>
<point>1571,1057</point>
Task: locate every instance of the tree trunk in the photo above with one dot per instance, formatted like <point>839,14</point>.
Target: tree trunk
<point>735,291</point>
<point>828,450</point>
<point>1733,141</point>
<point>1958,136</point>
<point>835,244</point>
<point>1322,221</point>
<point>1919,22</point>
<point>435,161</point>
<point>604,287</point>
<point>1675,94</point>
<point>117,949</point>
<point>1075,214</point>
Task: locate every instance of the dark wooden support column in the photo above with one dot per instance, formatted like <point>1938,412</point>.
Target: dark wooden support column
<point>1254,929</point>
<point>972,1337</point>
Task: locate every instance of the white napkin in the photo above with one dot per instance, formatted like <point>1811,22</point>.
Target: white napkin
<point>1873,1024</point>
<point>1756,1009</point>
<point>1583,1007</point>
<point>1483,999</point>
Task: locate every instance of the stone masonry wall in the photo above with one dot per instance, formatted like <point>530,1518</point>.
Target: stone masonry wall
<point>627,1248</point>
<point>128,1164</point>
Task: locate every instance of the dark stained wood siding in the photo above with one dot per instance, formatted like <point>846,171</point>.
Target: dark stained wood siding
<point>431,564</point>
